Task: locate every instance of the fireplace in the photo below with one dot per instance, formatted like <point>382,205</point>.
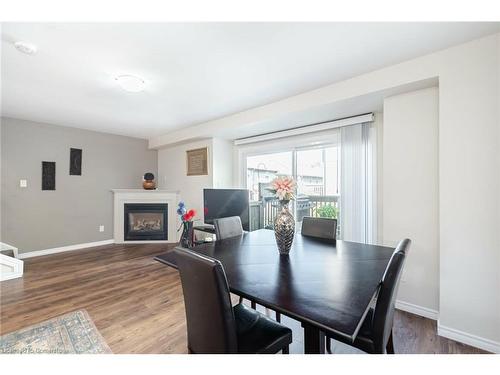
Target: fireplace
<point>145,221</point>
<point>166,200</point>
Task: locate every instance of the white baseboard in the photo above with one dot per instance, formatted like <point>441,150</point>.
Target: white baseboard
<point>467,338</point>
<point>62,249</point>
<point>417,310</point>
<point>450,333</point>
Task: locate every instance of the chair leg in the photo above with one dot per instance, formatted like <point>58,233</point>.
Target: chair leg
<point>241,299</point>
<point>278,317</point>
<point>253,304</point>
<point>390,345</point>
<point>285,350</point>
<point>328,345</point>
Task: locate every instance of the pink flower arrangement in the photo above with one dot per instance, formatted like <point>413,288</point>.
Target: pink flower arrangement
<point>283,188</point>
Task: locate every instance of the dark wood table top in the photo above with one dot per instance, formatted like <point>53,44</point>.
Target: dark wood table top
<point>327,284</point>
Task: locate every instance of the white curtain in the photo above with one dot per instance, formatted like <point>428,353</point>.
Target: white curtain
<point>357,183</point>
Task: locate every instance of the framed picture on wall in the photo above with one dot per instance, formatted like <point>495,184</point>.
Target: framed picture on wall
<point>48,175</point>
<point>75,161</point>
<point>197,162</point>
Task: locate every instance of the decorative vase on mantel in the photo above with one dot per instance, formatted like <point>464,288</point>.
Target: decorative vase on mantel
<point>149,183</point>
<point>284,228</point>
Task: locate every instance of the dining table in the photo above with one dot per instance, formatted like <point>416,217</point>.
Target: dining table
<point>326,285</point>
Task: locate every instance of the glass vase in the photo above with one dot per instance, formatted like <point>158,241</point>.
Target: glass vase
<point>187,239</point>
<point>284,228</point>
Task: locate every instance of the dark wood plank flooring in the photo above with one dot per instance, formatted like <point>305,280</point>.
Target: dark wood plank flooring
<point>137,304</point>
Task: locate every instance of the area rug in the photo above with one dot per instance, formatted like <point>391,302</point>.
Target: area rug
<point>72,333</point>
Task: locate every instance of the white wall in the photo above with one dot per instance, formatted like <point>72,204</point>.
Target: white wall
<point>410,196</point>
<point>469,182</point>
<point>379,128</point>
<point>223,159</point>
<point>172,171</point>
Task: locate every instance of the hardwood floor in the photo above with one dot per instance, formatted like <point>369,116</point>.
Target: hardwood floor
<point>137,304</point>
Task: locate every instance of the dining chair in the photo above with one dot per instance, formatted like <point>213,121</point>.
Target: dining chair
<point>228,227</point>
<point>375,334</point>
<point>213,325</point>
<point>319,227</point>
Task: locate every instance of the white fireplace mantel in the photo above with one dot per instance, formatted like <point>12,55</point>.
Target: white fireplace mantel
<point>122,196</point>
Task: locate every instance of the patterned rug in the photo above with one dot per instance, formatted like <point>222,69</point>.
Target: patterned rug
<point>72,333</point>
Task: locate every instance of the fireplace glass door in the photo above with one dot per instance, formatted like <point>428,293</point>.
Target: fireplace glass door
<point>146,222</point>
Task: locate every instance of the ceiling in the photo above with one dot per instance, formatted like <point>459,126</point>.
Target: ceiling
<point>195,72</point>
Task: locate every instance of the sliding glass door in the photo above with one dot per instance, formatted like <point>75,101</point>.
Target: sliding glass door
<point>261,170</point>
<point>336,178</point>
<point>316,171</point>
<point>317,183</point>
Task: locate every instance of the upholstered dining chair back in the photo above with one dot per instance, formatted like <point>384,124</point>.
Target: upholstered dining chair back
<point>228,227</point>
<point>211,325</point>
<point>383,316</point>
<point>319,227</point>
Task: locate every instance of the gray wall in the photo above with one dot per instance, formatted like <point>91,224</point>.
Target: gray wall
<point>33,219</point>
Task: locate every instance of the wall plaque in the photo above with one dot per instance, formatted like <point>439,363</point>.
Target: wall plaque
<point>48,175</point>
<point>75,162</point>
<point>197,162</point>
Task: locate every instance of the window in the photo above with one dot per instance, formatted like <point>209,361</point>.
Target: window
<point>316,173</point>
<point>262,169</point>
<point>317,182</point>
<point>335,172</point>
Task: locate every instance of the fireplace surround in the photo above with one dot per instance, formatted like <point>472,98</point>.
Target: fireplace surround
<point>146,223</point>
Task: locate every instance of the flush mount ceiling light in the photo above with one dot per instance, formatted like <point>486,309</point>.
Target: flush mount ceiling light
<point>24,47</point>
<point>130,83</point>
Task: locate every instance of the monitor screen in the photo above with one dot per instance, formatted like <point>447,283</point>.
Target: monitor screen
<point>218,203</point>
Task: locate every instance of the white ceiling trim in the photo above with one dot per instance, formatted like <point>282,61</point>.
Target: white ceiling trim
<point>308,129</point>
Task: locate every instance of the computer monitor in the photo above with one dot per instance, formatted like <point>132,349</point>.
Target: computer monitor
<point>219,203</point>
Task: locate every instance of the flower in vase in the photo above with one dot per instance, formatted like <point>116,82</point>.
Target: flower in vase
<point>283,188</point>
<point>189,215</point>
<point>181,208</point>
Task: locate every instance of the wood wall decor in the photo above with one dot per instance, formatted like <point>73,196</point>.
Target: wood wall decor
<point>197,162</point>
<point>48,175</point>
<point>75,162</point>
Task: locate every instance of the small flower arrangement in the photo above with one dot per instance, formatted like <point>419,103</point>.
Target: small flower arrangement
<point>283,188</point>
<point>185,214</point>
<point>187,236</point>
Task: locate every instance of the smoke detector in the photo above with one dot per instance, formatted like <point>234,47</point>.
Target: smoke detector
<point>26,48</point>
